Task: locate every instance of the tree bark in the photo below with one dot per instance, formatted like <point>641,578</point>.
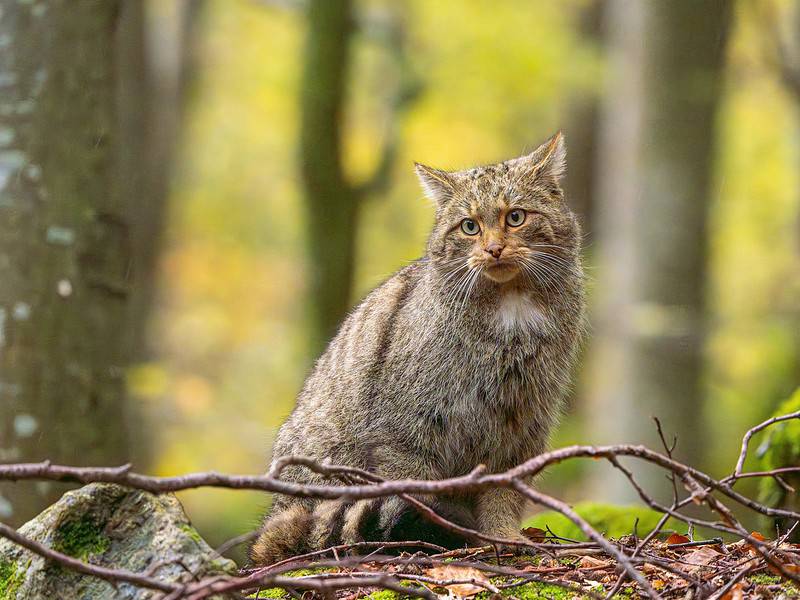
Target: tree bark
<point>582,129</point>
<point>156,65</point>
<point>64,243</point>
<point>331,201</point>
<point>656,160</point>
<point>78,204</point>
<point>787,58</point>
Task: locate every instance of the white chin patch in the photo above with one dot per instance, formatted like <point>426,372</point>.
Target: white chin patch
<point>516,312</point>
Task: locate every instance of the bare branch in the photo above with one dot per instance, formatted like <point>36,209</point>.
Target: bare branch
<point>358,484</point>
<point>467,483</point>
<point>738,471</point>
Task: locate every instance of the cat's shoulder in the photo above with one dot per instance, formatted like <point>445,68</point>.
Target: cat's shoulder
<point>399,286</point>
<point>377,314</point>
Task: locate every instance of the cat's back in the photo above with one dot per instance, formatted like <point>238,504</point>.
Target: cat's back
<point>366,334</point>
<point>351,364</point>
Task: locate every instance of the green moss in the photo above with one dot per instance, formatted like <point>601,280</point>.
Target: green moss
<point>80,538</point>
<point>540,591</point>
<point>533,591</point>
<point>528,591</point>
<point>788,588</point>
<point>614,521</point>
<point>384,595</point>
<point>271,593</point>
<point>545,591</point>
<point>219,565</point>
<point>11,579</point>
<point>307,572</point>
<point>780,448</point>
<point>569,561</point>
<point>280,592</point>
<point>764,579</point>
<point>191,532</point>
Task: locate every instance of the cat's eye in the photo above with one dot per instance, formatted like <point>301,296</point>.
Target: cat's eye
<point>470,227</point>
<point>516,217</point>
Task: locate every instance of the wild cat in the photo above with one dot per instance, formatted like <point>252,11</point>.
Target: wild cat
<point>461,358</point>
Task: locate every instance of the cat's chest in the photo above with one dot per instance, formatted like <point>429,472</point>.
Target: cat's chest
<point>516,313</point>
<point>470,377</point>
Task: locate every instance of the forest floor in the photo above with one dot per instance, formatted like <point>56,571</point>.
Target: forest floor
<point>674,568</point>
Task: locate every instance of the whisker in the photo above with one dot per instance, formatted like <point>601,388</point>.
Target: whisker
<point>553,257</point>
<point>471,286</point>
<point>549,278</point>
<point>533,274</point>
<point>546,284</point>
<point>553,260</point>
<point>458,285</point>
<point>453,299</point>
<point>537,245</point>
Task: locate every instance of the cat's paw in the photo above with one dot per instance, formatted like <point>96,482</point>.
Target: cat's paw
<point>357,519</point>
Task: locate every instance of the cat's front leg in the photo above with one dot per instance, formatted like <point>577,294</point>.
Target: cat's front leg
<point>499,512</point>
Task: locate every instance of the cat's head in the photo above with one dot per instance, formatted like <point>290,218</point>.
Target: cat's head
<point>504,222</point>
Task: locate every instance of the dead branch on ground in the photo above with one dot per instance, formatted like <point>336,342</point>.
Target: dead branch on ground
<point>653,568</point>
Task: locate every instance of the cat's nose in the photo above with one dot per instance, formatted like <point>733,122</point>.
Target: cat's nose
<point>495,249</point>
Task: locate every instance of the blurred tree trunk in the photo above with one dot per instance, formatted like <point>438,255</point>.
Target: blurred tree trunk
<point>581,129</point>
<point>80,207</point>
<point>656,156</point>
<point>154,68</point>
<point>783,31</point>
<point>332,202</point>
<point>157,64</point>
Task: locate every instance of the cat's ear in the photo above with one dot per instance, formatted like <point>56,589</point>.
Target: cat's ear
<point>438,185</point>
<point>548,161</point>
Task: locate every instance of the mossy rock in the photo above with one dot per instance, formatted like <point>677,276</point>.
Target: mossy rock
<point>11,578</point>
<point>110,526</point>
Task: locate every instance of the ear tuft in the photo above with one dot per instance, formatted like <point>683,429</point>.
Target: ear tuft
<point>437,184</point>
<point>548,161</point>
<point>553,163</point>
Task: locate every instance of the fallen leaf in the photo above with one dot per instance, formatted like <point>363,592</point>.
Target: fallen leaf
<point>650,568</point>
<point>535,534</point>
<point>735,593</point>
<point>543,569</point>
<point>699,558</point>
<point>788,567</point>
<point>679,583</point>
<point>450,573</point>
<point>589,562</point>
<point>677,538</point>
<point>752,547</point>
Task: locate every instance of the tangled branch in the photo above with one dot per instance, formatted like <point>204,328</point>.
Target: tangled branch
<point>410,574</point>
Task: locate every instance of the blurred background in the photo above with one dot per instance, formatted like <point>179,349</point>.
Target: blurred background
<point>194,192</point>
